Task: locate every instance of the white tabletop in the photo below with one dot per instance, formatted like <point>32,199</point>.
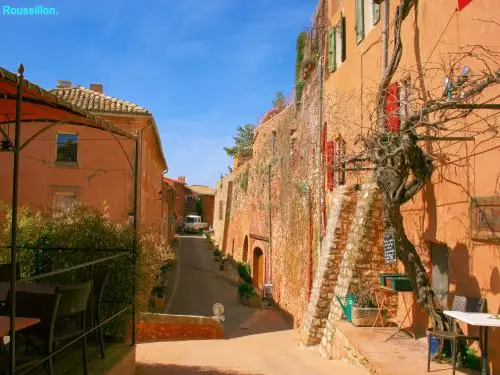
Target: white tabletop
<point>475,319</point>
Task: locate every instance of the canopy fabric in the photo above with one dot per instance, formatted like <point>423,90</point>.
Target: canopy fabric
<point>39,105</point>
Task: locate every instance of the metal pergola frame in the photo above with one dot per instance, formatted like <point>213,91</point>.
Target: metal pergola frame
<point>43,106</point>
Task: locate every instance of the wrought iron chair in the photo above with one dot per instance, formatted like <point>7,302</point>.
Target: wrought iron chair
<point>70,320</point>
<point>43,307</point>
<point>100,281</point>
<point>71,313</point>
<point>460,303</point>
<point>5,272</point>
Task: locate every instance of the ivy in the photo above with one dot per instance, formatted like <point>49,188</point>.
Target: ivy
<point>299,87</point>
<point>301,44</point>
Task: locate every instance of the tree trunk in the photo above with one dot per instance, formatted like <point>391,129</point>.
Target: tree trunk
<point>406,252</point>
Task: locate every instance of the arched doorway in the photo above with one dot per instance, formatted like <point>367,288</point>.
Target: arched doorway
<point>245,249</point>
<point>258,268</point>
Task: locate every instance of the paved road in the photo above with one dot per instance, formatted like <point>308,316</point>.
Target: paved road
<point>258,342</point>
<point>201,283</point>
<point>272,353</point>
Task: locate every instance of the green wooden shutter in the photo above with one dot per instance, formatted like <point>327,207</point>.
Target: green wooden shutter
<point>376,13</point>
<point>360,32</point>
<point>331,49</point>
<point>334,38</point>
<point>343,31</point>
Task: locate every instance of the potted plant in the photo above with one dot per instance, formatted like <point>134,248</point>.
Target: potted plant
<point>217,255</point>
<point>247,295</point>
<point>223,265</point>
<point>364,310</point>
<point>159,297</point>
<point>244,273</point>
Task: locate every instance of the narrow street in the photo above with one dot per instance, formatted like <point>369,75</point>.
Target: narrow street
<point>257,341</point>
<point>200,283</point>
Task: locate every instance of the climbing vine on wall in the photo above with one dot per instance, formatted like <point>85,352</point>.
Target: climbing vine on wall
<point>299,83</point>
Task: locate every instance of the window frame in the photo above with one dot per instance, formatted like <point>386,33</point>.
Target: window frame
<point>62,193</point>
<point>365,24</point>
<point>63,161</point>
<point>339,150</point>
<point>337,45</point>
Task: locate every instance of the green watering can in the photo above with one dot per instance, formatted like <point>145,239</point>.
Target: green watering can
<point>346,304</point>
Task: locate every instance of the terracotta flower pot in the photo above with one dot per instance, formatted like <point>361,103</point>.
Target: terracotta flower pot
<point>159,302</point>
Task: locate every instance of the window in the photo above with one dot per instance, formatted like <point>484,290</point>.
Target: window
<point>64,200</point>
<point>67,147</point>
<point>338,159</point>
<point>329,165</point>
<point>367,15</point>
<point>221,210</point>
<point>405,99</point>
<point>274,142</point>
<point>336,45</point>
<point>392,108</point>
<point>398,104</point>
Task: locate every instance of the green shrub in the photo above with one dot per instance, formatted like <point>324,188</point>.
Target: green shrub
<point>244,272</point>
<point>55,240</point>
<point>245,289</point>
<point>164,268</point>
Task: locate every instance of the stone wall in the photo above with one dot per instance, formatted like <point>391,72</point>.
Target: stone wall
<point>165,327</point>
<point>274,200</point>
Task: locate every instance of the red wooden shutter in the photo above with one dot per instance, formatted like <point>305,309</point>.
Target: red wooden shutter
<point>323,143</point>
<point>392,108</point>
<point>329,162</point>
<point>463,3</point>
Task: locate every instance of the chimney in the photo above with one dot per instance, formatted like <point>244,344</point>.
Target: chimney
<point>97,87</point>
<point>182,179</point>
<point>62,84</point>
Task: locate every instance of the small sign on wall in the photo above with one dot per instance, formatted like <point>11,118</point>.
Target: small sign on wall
<point>389,249</point>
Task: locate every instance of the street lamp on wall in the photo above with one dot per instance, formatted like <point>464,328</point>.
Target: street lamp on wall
<point>5,145</point>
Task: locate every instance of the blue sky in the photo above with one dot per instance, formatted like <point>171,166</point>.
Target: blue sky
<point>202,67</point>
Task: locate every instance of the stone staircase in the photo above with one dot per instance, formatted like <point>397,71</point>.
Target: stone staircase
<point>343,202</point>
<point>349,267</point>
<point>350,252</point>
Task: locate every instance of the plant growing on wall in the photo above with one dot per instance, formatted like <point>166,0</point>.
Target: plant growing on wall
<point>242,141</point>
<point>279,101</point>
<point>299,83</point>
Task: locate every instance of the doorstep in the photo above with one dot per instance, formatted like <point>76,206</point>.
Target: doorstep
<point>382,357</point>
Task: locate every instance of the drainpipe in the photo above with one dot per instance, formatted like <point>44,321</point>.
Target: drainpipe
<point>320,174</point>
<point>161,205</point>
<point>385,39</point>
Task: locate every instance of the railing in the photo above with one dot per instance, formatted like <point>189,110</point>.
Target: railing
<point>67,151</point>
<point>127,305</point>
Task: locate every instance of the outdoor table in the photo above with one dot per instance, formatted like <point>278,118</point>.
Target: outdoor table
<point>20,324</point>
<point>25,287</point>
<point>483,321</point>
<point>382,300</point>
